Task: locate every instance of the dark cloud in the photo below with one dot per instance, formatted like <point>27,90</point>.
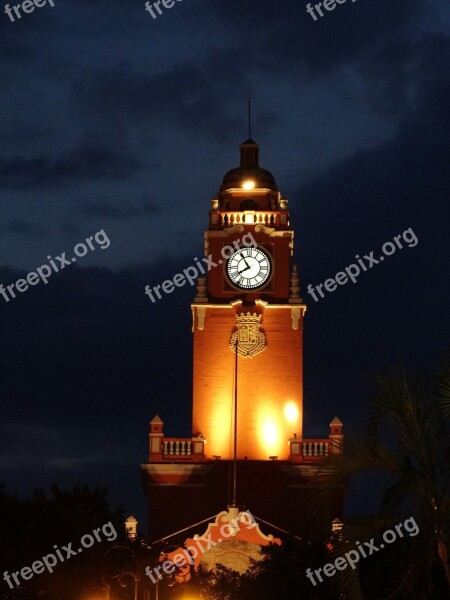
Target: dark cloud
<point>72,230</point>
<point>15,46</point>
<point>375,40</point>
<point>21,226</point>
<point>86,339</point>
<point>83,163</point>
<point>183,96</point>
<point>55,448</point>
<point>404,179</point>
<point>83,372</point>
<point>114,211</point>
<point>275,38</point>
<point>395,311</point>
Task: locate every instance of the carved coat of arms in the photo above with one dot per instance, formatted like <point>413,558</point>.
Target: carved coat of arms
<point>250,340</point>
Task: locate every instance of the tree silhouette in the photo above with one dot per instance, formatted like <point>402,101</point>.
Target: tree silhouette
<point>407,437</point>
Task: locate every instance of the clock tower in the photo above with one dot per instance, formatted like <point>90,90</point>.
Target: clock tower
<point>247,326</point>
<point>248,303</point>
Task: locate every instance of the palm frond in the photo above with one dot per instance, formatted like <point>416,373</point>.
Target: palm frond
<point>442,386</point>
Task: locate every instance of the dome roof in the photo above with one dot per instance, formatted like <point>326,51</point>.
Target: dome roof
<point>249,169</point>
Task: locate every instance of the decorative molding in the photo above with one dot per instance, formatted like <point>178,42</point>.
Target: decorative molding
<point>175,469</point>
<point>201,296</point>
<point>262,303</point>
<point>260,191</point>
<point>272,232</point>
<point>294,298</point>
<point>296,313</point>
<point>263,229</point>
<point>155,443</point>
<point>199,311</point>
<point>249,339</point>
<point>236,539</point>
<point>233,554</point>
<point>235,229</point>
<point>270,306</point>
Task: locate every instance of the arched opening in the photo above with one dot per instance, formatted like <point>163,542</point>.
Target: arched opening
<point>248,204</point>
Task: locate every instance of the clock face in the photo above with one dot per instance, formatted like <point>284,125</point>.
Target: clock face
<point>249,268</point>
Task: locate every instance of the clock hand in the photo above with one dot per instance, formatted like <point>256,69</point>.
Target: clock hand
<point>246,269</point>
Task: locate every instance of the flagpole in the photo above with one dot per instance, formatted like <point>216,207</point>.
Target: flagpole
<point>235,425</point>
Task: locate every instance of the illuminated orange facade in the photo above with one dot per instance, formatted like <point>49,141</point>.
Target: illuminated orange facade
<point>249,209</point>
<point>247,323</point>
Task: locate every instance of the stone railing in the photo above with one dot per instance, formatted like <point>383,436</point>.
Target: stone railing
<point>313,450</point>
<point>229,218</point>
<point>310,450</point>
<point>176,449</point>
<point>316,448</point>
<point>302,450</point>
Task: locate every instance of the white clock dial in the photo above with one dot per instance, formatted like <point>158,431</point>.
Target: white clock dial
<point>249,268</point>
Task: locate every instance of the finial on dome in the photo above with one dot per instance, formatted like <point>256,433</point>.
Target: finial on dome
<point>249,154</point>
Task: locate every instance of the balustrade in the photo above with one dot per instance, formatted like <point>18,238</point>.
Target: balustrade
<point>226,218</point>
<point>315,448</point>
<point>177,447</point>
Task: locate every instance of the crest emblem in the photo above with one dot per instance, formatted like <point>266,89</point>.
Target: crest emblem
<point>250,340</point>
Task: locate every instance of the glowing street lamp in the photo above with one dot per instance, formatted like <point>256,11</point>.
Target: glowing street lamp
<point>131,527</point>
<point>191,593</point>
<point>103,595</point>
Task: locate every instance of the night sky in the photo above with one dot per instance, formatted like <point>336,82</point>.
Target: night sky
<point>112,120</point>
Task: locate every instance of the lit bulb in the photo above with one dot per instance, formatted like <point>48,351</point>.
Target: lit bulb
<point>248,185</point>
